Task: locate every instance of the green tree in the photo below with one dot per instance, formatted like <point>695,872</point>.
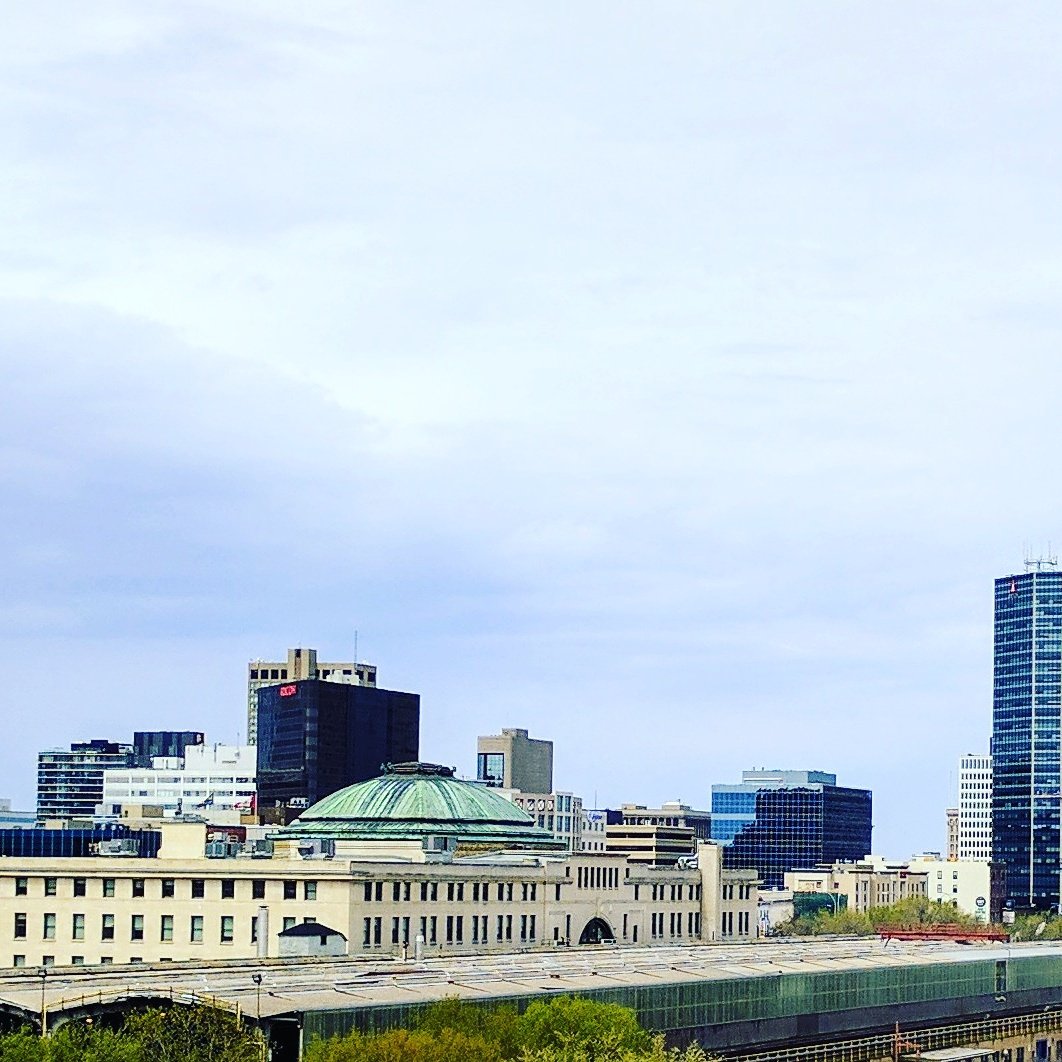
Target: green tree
<point>192,1034</point>
<point>603,1031</point>
<point>22,1046</point>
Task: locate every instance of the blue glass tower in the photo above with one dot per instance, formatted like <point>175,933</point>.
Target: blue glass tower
<point>1026,737</point>
<point>777,821</point>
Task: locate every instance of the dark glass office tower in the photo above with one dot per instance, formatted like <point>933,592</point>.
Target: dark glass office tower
<point>1026,700</point>
<point>147,744</point>
<point>315,737</point>
<point>778,821</point>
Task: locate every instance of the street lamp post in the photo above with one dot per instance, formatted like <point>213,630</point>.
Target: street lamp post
<point>42,973</point>
<point>257,979</point>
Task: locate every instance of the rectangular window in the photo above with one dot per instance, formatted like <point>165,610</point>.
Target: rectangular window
<point>531,934</point>
<point>77,928</point>
<point>395,924</point>
<point>450,892</point>
<point>166,929</point>
<point>21,886</point>
<point>51,886</point>
<point>289,921</point>
<point>228,929</point>
<point>309,890</point>
<point>108,887</point>
<point>291,890</point>
<point>423,892</point>
<point>195,934</point>
<point>168,889</point>
<point>107,927</point>
<point>228,889</point>
<point>379,891</point>
<point>79,886</point>
<point>19,960</point>
<point>198,889</point>
<point>396,892</point>
<point>77,960</point>
<point>106,960</point>
<point>449,929</point>
<point>136,929</point>
<point>254,929</point>
<point>367,938</point>
<point>138,888</point>
<point>258,889</point>
<point>434,923</point>
<point>20,926</point>
<point>460,929</point>
<point>377,932</point>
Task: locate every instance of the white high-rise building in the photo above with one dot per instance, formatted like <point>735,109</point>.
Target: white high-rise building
<point>975,807</point>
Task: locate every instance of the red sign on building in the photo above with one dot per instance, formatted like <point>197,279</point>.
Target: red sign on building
<point>288,691</point>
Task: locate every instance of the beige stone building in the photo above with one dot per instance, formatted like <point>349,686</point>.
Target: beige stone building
<point>512,760</point>
<point>871,882</point>
<point>403,882</point>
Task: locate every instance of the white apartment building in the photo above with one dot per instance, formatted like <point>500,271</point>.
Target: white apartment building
<point>593,835</point>
<point>965,883</point>
<point>216,781</point>
<point>975,807</point>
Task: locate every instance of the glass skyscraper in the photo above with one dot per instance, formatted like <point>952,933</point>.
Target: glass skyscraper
<point>778,821</point>
<point>1026,737</point>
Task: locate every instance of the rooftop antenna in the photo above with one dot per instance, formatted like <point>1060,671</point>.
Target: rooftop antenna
<point>355,645</point>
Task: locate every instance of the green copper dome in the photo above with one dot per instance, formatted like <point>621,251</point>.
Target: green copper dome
<point>411,801</point>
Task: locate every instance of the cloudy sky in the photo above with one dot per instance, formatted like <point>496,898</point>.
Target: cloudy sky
<point>669,379</point>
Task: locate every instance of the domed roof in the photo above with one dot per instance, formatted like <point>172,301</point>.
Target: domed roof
<point>415,800</point>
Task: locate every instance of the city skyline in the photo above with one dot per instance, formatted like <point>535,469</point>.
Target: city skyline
<point>665,385</point>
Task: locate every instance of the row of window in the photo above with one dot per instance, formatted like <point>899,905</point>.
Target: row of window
<point>454,927</point>
<point>727,923</point>
<point>108,927</point>
<point>403,892</point>
<point>656,924</point>
<point>167,888</point>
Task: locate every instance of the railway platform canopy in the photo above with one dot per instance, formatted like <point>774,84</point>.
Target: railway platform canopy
<point>721,995</point>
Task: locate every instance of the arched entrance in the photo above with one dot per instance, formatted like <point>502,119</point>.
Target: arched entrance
<point>596,931</point>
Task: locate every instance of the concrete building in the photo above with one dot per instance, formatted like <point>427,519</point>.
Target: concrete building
<point>559,813</point>
<point>512,760</point>
<point>775,908</point>
<point>11,818</point>
<point>777,821</point>
<point>951,817</point>
<point>670,813</point>
<point>316,736</point>
<point>300,664</point>
<point>414,860</point>
<point>868,882</point>
<point>653,845</point>
<point>975,886</point>
<point>70,781</point>
<point>975,808</point>
<point>592,838</point>
<point>217,781</point>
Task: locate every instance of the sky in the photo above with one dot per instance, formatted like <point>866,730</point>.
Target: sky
<point>671,380</point>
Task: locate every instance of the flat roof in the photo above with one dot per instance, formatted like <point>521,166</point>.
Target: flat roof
<point>321,984</point>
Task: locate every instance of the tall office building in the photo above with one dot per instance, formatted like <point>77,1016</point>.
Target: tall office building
<point>1026,737</point>
<point>974,827</point>
<point>70,781</point>
<point>317,736</point>
<point>777,821</point>
<point>300,664</point>
<point>512,760</point>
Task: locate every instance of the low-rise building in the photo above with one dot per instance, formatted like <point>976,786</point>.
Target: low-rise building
<point>413,862</point>
<point>217,781</point>
<point>870,882</point>
<point>974,886</point>
<point>592,838</point>
<point>658,846</point>
<point>670,813</point>
<point>560,814</point>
